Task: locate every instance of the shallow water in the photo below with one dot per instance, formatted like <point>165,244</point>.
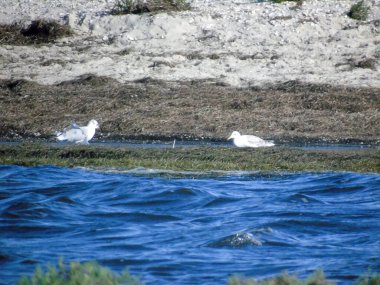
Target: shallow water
<point>190,228</point>
<point>317,146</point>
<point>188,143</point>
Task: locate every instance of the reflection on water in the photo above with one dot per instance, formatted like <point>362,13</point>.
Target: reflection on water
<point>190,228</point>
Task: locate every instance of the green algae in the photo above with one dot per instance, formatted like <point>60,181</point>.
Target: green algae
<point>193,158</point>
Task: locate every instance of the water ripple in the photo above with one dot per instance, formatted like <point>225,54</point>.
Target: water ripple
<point>188,227</point>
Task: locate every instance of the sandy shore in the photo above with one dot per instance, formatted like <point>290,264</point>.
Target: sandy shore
<point>242,45</point>
<point>236,42</point>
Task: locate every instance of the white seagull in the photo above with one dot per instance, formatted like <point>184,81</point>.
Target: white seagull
<point>77,134</point>
<point>249,141</point>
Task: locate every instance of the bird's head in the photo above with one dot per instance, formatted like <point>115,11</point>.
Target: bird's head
<point>234,135</point>
<point>94,123</point>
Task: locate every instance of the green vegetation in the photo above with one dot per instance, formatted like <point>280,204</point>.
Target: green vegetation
<point>298,2</point>
<point>89,273</point>
<point>373,279</point>
<point>359,11</point>
<point>124,7</point>
<point>139,6</point>
<point>193,158</point>
<point>317,278</point>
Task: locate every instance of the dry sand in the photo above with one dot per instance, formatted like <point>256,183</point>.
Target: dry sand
<point>237,42</point>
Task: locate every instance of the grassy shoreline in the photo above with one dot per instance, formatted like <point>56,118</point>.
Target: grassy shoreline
<point>153,109</point>
<point>193,158</point>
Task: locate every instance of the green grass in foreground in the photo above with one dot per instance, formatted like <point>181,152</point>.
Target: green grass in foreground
<point>91,273</point>
<point>193,159</point>
<point>317,278</point>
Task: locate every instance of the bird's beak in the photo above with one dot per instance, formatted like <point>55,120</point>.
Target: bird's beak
<point>229,138</point>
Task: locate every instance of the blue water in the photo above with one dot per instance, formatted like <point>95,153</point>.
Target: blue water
<point>190,228</point>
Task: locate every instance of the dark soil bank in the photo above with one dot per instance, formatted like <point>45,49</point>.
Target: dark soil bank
<point>156,109</point>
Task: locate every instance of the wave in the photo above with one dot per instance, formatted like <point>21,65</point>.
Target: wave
<point>185,222</point>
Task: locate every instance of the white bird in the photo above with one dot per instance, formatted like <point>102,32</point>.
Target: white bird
<point>77,134</point>
<point>248,140</point>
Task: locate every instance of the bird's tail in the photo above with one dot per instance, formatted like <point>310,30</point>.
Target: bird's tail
<point>61,136</point>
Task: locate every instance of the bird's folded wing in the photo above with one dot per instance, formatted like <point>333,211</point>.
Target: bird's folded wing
<point>254,139</point>
<point>75,135</point>
<point>74,126</point>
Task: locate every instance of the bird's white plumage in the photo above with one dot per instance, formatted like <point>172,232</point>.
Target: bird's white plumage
<point>77,134</point>
<point>249,141</point>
